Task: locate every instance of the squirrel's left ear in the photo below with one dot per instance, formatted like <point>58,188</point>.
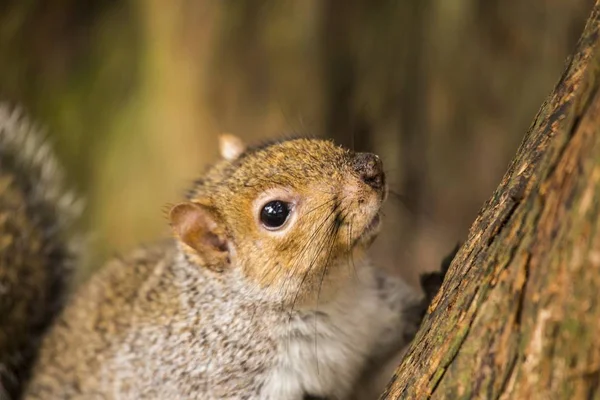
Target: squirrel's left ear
<point>231,146</point>
<point>200,230</point>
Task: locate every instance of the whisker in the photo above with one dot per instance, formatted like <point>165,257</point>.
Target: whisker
<point>345,215</point>
<point>332,240</point>
<point>398,196</point>
<point>319,206</point>
<point>350,247</point>
<point>403,201</point>
<point>299,258</point>
<point>308,270</point>
<point>321,247</point>
<point>331,235</point>
<point>291,271</point>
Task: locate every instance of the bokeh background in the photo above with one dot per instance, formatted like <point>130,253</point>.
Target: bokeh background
<point>134,93</point>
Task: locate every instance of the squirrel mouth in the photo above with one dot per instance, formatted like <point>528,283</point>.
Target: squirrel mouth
<point>374,224</point>
<point>371,230</point>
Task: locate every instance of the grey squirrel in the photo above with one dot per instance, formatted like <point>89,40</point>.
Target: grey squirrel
<point>265,291</point>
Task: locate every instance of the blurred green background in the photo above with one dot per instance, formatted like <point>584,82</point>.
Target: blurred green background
<point>134,93</point>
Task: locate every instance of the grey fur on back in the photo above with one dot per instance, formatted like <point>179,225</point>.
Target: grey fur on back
<point>36,251</point>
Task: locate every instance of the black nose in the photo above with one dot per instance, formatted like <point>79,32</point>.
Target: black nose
<point>370,169</point>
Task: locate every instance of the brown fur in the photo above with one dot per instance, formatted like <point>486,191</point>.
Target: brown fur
<point>231,309</point>
<point>331,196</point>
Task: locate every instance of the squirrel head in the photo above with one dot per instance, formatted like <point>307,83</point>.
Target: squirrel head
<point>289,215</point>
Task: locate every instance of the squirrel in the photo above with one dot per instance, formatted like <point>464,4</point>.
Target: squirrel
<point>264,291</point>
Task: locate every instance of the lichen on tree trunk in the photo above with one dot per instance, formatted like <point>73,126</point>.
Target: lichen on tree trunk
<point>519,312</point>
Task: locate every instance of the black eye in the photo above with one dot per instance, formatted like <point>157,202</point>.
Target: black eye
<point>274,214</point>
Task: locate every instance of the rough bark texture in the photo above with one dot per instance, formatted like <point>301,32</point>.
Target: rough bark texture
<point>519,312</point>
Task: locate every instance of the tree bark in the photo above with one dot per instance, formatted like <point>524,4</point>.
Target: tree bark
<point>518,314</point>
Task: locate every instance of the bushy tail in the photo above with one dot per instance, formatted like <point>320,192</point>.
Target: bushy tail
<point>37,250</point>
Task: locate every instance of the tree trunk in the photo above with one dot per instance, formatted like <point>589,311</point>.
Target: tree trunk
<point>518,314</point>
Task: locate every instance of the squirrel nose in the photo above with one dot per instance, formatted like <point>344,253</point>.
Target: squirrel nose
<point>370,169</point>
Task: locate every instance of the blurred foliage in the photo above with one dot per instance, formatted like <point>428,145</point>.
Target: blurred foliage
<point>134,92</point>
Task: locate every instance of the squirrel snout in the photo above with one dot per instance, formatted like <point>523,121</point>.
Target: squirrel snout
<point>370,169</point>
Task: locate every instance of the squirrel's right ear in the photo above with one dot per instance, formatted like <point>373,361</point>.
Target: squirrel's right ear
<point>199,229</point>
<point>230,146</point>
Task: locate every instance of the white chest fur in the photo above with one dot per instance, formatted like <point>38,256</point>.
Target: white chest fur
<point>323,353</point>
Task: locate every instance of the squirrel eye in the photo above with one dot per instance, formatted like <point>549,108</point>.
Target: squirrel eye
<point>274,214</point>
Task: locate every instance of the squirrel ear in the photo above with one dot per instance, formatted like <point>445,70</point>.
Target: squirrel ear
<point>197,227</point>
<point>231,146</point>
